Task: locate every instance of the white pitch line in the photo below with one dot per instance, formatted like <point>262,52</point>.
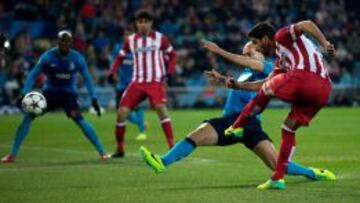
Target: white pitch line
<point>71,151</point>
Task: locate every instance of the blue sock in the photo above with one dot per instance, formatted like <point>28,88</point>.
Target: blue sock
<point>140,120</point>
<point>297,169</point>
<point>132,117</point>
<point>180,150</point>
<point>89,132</point>
<point>21,133</point>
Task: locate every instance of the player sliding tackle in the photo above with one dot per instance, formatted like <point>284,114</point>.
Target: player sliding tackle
<point>211,131</point>
<point>300,78</point>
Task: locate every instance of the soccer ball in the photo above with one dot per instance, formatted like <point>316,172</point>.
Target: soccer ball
<point>34,103</point>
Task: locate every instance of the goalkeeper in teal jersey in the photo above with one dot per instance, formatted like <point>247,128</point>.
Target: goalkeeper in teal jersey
<point>60,65</point>
<point>211,131</point>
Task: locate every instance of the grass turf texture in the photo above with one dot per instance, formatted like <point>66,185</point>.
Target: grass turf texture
<point>57,164</point>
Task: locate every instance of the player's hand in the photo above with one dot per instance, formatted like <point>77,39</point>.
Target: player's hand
<point>96,106</point>
<point>213,76</point>
<point>230,82</point>
<point>169,79</point>
<point>112,78</point>
<point>329,47</point>
<point>211,46</point>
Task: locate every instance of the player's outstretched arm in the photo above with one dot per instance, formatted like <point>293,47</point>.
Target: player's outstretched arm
<point>238,59</point>
<point>89,85</point>
<point>312,29</point>
<point>230,82</point>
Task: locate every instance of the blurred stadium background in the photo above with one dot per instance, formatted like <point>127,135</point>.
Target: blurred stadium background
<point>58,165</point>
<point>98,26</point>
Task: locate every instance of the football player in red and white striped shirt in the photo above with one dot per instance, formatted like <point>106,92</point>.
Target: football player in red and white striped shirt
<point>299,78</point>
<point>151,51</point>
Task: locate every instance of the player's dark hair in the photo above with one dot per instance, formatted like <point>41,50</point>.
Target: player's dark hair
<point>262,29</point>
<point>143,14</point>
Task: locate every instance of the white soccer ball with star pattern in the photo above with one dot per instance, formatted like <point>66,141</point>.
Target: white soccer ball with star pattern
<point>34,103</point>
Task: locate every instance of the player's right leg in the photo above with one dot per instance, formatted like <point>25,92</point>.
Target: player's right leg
<point>21,133</point>
<point>132,96</point>
<point>135,116</point>
<point>122,114</point>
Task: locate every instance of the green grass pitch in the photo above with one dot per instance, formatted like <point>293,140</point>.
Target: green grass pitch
<point>57,164</point>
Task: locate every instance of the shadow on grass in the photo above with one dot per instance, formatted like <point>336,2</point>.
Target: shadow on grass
<point>234,186</point>
<point>34,164</point>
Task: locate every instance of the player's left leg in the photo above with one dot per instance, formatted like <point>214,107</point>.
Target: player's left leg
<point>257,140</point>
<point>266,151</point>
<point>72,111</point>
<point>165,121</point>
<point>305,105</point>
<point>157,96</point>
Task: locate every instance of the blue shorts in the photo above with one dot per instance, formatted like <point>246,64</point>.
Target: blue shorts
<point>62,100</point>
<point>253,132</point>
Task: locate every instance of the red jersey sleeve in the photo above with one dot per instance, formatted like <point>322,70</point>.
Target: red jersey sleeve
<point>119,58</point>
<point>168,49</point>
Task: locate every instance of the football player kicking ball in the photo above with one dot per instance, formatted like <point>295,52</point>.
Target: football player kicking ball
<point>60,65</point>
<point>300,78</point>
<point>211,132</point>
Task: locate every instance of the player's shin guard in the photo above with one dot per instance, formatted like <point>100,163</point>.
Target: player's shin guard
<point>255,106</point>
<point>287,149</point>
<point>89,132</point>
<point>21,133</point>
<point>119,134</point>
<point>182,149</point>
<point>167,128</point>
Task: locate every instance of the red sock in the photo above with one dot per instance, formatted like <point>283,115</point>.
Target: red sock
<point>254,107</point>
<point>166,125</point>
<point>120,134</point>
<point>287,149</point>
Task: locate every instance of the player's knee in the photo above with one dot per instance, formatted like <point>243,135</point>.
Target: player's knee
<point>203,135</point>
<point>196,136</point>
<point>267,89</point>
<point>291,125</point>
<point>161,110</point>
<point>122,114</point>
<point>75,115</point>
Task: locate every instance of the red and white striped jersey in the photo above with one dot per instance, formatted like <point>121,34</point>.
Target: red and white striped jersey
<point>149,57</point>
<point>295,51</point>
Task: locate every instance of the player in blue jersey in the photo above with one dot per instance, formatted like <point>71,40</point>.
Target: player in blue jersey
<point>125,74</point>
<point>211,131</point>
<point>60,65</point>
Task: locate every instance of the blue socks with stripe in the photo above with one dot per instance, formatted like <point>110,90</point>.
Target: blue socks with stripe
<point>180,150</point>
<point>137,117</point>
<point>299,170</point>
